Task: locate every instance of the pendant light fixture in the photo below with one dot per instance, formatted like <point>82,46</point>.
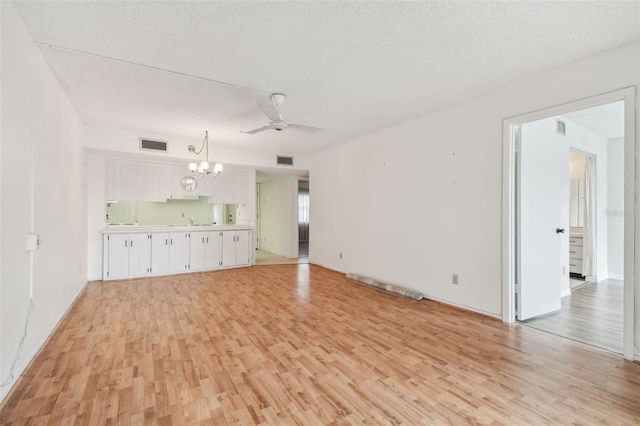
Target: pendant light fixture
<point>204,168</point>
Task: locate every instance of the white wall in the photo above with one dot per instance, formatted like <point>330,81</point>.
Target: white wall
<point>95,213</point>
<point>126,141</point>
<point>279,216</point>
<point>43,191</point>
<point>445,168</point>
<point>615,208</point>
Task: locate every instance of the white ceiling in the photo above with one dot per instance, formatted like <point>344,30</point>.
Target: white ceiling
<point>352,68</point>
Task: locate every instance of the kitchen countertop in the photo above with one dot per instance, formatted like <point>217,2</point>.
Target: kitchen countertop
<point>128,229</point>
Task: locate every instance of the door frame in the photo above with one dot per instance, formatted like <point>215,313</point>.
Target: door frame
<point>509,202</point>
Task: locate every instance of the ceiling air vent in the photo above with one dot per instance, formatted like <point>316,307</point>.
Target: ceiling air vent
<point>284,161</point>
<point>153,145</point>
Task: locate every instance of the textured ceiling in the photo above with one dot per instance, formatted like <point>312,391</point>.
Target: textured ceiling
<point>351,68</point>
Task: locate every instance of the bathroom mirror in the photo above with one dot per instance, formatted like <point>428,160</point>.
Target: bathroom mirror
<point>189,183</point>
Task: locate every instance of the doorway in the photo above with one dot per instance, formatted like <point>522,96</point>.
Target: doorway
<point>536,239</point>
<point>303,218</point>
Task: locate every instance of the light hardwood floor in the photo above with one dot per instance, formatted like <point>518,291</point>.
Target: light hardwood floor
<point>592,314</point>
<point>298,344</point>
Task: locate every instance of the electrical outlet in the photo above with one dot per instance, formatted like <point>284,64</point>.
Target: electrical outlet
<point>454,279</point>
<point>340,255</point>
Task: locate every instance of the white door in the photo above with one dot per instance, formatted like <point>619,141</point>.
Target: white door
<point>543,159</point>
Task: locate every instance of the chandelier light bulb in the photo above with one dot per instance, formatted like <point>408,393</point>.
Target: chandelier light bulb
<point>204,168</point>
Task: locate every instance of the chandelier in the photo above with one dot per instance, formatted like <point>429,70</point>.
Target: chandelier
<point>204,168</point>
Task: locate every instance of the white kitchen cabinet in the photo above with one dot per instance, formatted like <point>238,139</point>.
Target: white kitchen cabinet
<point>139,255</point>
<point>235,248</point>
<point>178,252</point>
<point>140,252</point>
<point>160,253</point>
<point>127,255</point>
<point>231,187</point>
<point>204,249</point>
<point>136,181</point>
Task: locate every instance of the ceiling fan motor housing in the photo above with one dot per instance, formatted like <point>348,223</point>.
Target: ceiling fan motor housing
<point>279,125</point>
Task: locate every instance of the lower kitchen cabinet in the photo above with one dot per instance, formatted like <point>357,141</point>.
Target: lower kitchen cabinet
<point>159,253</point>
<point>204,250</point>
<point>127,255</point>
<point>235,248</point>
<point>178,252</point>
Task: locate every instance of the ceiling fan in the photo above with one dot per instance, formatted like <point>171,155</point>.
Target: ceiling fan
<point>269,105</point>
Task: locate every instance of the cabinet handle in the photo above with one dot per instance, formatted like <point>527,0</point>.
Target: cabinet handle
<point>171,241</point>
<point>131,243</point>
<point>202,240</point>
<point>166,241</point>
<point>207,240</point>
<point>126,242</point>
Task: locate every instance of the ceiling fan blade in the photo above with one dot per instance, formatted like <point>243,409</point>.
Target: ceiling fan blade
<point>269,108</point>
<point>254,131</point>
<point>307,129</point>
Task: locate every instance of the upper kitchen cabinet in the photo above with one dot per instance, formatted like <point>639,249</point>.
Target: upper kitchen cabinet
<point>231,187</point>
<point>135,181</point>
<point>128,180</point>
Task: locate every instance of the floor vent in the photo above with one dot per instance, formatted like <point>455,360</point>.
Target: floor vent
<point>153,145</point>
<point>284,161</point>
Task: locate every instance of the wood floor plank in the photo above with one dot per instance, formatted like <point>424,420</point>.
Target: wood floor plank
<point>298,344</point>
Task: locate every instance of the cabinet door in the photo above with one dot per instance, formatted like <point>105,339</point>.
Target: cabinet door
<point>213,250</point>
<point>117,256</point>
<point>159,253</point>
<point>125,180</point>
<point>228,248</point>
<point>242,247</point>
<point>197,251</point>
<point>139,255</point>
<point>178,252</point>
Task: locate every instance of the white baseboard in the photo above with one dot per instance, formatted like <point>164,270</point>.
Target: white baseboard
<point>614,277</point>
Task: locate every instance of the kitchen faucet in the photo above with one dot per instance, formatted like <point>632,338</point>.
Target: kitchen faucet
<point>191,221</point>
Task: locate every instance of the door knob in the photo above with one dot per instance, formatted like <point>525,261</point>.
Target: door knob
<point>559,230</point>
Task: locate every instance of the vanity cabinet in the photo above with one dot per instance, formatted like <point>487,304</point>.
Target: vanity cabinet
<point>575,254</point>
